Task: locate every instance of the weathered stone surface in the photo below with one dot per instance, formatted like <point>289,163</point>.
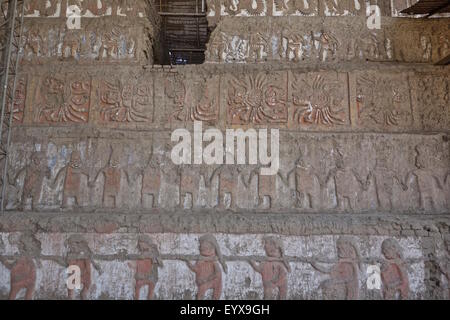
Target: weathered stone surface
<point>364,176</point>
<point>380,99</point>
<point>318,173</point>
<point>279,8</point>
<point>87,8</point>
<point>306,40</point>
<point>109,32</point>
<point>311,266</point>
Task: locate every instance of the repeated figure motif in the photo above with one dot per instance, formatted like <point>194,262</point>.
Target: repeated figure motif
<point>113,43</point>
<point>73,173</point>
<point>88,8</point>
<point>23,266</point>
<point>146,265</point>
<point>394,274</point>
<point>287,8</point>
<point>343,281</point>
<point>34,174</point>
<point>79,254</point>
<point>208,274</point>
<point>112,174</point>
<point>324,177</point>
<point>274,270</point>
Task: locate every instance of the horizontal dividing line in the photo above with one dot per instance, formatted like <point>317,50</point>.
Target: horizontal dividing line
<point>151,128</point>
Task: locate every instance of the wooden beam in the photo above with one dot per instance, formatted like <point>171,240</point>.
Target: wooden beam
<point>444,61</point>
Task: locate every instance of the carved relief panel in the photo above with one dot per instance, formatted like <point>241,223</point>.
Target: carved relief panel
<point>431,100</point>
<point>190,97</point>
<point>19,98</point>
<point>87,8</point>
<point>257,98</point>
<point>62,98</point>
<point>125,99</point>
<point>98,41</point>
<point>319,100</point>
<point>383,101</point>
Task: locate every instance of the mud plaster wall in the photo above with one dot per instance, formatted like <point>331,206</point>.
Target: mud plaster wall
<point>364,164</point>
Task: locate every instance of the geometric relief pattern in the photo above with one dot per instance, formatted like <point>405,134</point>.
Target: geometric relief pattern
<point>257,99</point>
<point>125,100</point>
<point>383,101</point>
<point>62,99</point>
<point>319,100</point>
<point>432,100</point>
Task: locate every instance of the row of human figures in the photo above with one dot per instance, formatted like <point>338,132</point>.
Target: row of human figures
<point>210,264</point>
<point>432,186</point>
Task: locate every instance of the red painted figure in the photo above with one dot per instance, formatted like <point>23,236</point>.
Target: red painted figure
<point>79,254</point>
<point>72,180</point>
<point>274,270</point>
<point>343,281</point>
<point>112,174</point>
<point>23,268</point>
<point>393,271</point>
<point>208,274</point>
<point>146,267</point>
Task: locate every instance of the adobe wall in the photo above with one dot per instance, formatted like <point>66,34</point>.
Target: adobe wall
<point>364,177</point>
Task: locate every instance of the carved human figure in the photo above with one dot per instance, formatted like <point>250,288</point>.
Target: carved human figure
<point>328,45</point>
<point>267,191</point>
<point>343,281</point>
<point>217,47</point>
<point>274,269</point>
<point>296,46</point>
<point>444,266</point>
<point>151,184</point>
<point>348,184</point>
<point>109,44</point>
<point>189,186</point>
<point>112,173</point>
<point>33,42</point>
<point>79,254</point>
<point>23,266</point>
<point>228,186</point>
<point>35,172</point>
<point>433,183</point>
<point>72,180</point>
<point>71,44</point>
<point>146,267</point>
<point>208,274</point>
<point>394,276</point>
<point>257,47</point>
<point>307,185</point>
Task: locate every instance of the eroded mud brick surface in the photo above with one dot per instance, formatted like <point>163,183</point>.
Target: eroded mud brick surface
<point>363,180</point>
